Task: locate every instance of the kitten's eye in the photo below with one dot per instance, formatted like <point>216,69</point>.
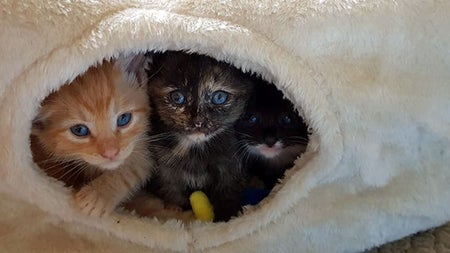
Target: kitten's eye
<point>124,119</point>
<point>80,130</point>
<point>286,119</point>
<point>219,97</point>
<point>177,97</point>
<point>253,119</point>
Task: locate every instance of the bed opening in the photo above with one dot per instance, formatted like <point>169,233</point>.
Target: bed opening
<point>171,135</point>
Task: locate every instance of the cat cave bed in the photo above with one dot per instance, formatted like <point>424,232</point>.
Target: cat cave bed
<point>371,78</point>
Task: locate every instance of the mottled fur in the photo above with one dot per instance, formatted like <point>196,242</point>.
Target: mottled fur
<point>109,163</point>
<point>271,134</point>
<point>193,142</point>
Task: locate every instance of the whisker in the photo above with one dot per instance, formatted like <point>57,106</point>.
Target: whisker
<point>298,140</point>
<point>71,170</point>
<point>141,155</point>
<point>77,172</point>
<point>243,152</point>
<point>246,155</point>
<point>244,135</point>
<point>159,136</point>
<point>156,72</point>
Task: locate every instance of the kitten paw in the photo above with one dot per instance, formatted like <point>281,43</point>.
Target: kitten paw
<point>172,207</point>
<point>91,202</point>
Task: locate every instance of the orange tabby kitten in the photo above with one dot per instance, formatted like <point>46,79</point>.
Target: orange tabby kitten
<point>92,134</point>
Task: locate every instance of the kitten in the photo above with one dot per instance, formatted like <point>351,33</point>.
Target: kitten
<point>271,134</point>
<point>197,101</point>
<point>92,134</point>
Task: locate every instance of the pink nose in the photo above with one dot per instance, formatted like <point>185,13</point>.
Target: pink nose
<point>110,153</point>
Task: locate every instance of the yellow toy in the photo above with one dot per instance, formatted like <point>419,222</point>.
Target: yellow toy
<point>202,208</point>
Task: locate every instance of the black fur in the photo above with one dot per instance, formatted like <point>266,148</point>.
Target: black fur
<point>184,165</point>
<point>270,110</point>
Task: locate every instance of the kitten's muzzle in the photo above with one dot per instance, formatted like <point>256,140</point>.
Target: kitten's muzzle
<point>199,126</point>
<point>198,130</point>
<point>270,141</point>
<point>110,153</point>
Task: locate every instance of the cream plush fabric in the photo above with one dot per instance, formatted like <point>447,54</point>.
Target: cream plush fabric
<point>370,77</point>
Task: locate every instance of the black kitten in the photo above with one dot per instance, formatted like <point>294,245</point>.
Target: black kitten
<point>196,102</point>
<point>271,134</point>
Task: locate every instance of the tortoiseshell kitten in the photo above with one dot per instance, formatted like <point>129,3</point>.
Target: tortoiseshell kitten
<point>197,101</point>
<point>92,134</point>
<point>271,134</point>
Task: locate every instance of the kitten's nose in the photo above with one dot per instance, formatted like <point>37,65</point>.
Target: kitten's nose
<point>198,123</point>
<point>110,153</point>
<point>270,141</point>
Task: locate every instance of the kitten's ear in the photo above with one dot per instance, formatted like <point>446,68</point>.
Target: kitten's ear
<point>155,62</point>
<point>152,59</point>
<point>134,66</point>
<point>38,123</point>
<point>36,127</point>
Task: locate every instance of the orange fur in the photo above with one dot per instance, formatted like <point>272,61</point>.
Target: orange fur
<point>114,158</point>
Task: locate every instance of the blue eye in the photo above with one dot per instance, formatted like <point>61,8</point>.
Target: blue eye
<point>177,97</point>
<point>124,119</point>
<point>80,130</point>
<point>253,119</point>
<point>286,119</point>
<point>219,97</point>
